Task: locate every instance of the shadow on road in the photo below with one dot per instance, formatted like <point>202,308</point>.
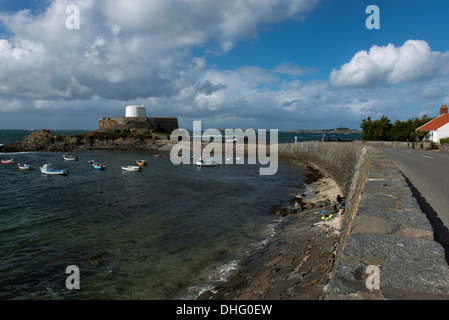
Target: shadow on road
<point>440,231</point>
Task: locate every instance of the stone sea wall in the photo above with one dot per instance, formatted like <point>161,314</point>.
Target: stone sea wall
<point>383,227</point>
<point>345,162</point>
<point>424,145</point>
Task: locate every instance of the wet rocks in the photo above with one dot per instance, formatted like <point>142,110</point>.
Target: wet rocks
<point>295,264</point>
<point>298,205</point>
<point>45,140</point>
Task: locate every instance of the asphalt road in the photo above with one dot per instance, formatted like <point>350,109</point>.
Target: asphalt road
<point>427,173</point>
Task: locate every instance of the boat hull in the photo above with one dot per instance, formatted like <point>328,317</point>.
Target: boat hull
<point>131,168</point>
<point>48,169</point>
<point>206,164</point>
<point>70,158</point>
<point>26,167</point>
<point>55,172</point>
<point>99,166</point>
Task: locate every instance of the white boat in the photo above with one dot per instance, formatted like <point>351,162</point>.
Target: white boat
<point>49,169</point>
<point>202,163</point>
<point>25,166</point>
<point>131,168</point>
<point>8,161</point>
<point>70,157</point>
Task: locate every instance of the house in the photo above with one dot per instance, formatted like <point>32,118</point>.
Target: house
<point>439,127</point>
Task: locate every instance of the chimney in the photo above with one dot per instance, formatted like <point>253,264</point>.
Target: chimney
<point>443,109</point>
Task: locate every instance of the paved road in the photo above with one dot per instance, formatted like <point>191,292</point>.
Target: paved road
<point>428,172</point>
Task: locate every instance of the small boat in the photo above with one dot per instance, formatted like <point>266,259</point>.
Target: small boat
<point>202,163</point>
<point>141,162</point>
<point>8,161</point>
<point>131,168</point>
<point>70,157</point>
<point>49,169</point>
<point>98,166</point>
<point>157,155</point>
<point>25,166</point>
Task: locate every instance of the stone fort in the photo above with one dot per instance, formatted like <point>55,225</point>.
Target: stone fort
<point>135,119</point>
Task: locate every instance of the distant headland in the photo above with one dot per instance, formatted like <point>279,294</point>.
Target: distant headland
<point>336,130</point>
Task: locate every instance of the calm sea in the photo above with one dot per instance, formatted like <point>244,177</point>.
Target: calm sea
<point>164,233</point>
<point>8,136</point>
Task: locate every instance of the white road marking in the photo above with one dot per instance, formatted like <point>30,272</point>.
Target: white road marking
<point>426,157</point>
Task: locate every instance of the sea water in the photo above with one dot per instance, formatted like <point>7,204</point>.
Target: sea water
<point>166,232</point>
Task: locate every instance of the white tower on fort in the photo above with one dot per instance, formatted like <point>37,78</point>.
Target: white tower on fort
<point>136,112</point>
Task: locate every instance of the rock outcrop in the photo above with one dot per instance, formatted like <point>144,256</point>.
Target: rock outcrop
<point>45,140</point>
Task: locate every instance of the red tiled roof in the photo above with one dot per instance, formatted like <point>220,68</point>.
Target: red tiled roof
<point>436,123</point>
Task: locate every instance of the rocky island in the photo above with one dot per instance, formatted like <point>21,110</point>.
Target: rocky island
<point>45,140</point>
<point>134,131</point>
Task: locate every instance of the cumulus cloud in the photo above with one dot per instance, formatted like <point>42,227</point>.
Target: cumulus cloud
<point>141,51</point>
<point>413,61</point>
<point>125,49</point>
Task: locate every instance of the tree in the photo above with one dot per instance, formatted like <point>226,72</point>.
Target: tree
<point>377,130</point>
<point>383,130</point>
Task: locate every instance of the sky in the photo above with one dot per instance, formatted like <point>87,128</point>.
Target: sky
<point>261,64</point>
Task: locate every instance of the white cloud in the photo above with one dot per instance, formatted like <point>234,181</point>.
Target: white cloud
<point>413,61</point>
<point>126,49</point>
<point>132,51</point>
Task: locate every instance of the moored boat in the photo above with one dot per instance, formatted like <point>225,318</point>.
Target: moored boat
<point>69,157</point>
<point>131,168</point>
<point>8,161</point>
<point>202,163</point>
<point>141,162</point>
<point>25,166</point>
<point>98,166</point>
<point>49,169</point>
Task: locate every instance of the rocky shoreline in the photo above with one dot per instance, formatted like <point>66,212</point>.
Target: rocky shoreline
<point>45,141</point>
<point>295,264</point>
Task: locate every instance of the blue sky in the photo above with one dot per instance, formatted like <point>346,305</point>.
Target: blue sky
<point>274,64</point>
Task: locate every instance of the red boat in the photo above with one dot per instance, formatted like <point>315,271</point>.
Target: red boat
<point>7,161</point>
